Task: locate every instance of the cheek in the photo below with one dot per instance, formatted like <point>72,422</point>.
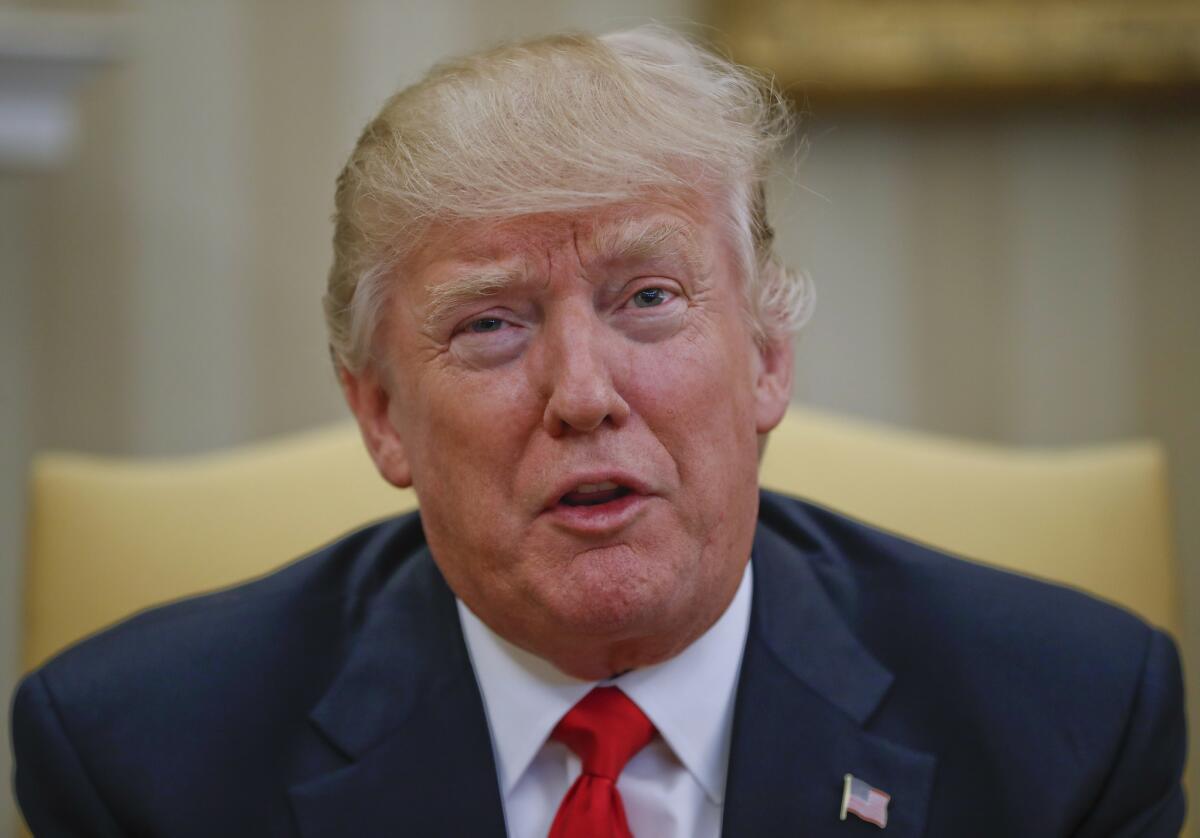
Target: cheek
<point>469,448</point>
<point>698,400</point>
<point>464,416</point>
<point>467,435</point>
<point>700,385</point>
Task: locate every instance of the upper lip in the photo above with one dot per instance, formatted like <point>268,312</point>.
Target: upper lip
<point>571,481</point>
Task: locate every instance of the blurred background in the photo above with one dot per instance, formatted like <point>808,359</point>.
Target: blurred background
<point>1004,249</point>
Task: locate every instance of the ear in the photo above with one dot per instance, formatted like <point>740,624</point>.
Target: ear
<point>370,400</point>
<point>773,382</point>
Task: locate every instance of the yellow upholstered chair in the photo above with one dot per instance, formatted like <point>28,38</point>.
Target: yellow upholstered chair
<point>109,537</point>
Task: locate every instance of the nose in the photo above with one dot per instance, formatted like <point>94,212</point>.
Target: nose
<point>581,394</point>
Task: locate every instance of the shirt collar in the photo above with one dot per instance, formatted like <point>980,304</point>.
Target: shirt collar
<point>689,697</point>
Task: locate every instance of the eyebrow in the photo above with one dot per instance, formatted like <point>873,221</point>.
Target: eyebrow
<point>634,239</point>
<point>627,241</point>
<point>472,284</point>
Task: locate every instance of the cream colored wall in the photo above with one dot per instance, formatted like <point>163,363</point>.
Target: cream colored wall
<point>1015,274</point>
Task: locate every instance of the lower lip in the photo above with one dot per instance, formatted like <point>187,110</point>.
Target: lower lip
<point>601,518</point>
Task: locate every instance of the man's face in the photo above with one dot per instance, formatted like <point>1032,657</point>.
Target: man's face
<point>577,400</point>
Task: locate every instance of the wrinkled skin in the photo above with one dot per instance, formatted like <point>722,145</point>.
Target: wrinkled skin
<point>585,353</point>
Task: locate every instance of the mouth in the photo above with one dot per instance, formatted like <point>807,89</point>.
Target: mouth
<point>597,504</point>
<point>595,494</point>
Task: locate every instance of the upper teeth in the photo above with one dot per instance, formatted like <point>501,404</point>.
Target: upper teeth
<point>606,486</point>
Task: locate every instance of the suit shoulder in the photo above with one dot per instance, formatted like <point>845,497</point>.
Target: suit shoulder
<point>880,580</point>
<point>304,610</point>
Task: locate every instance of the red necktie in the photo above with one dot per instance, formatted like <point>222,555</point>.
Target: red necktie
<point>605,729</point>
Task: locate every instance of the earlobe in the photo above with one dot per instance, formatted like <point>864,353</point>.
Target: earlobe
<point>369,400</point>
<point>773,383</point>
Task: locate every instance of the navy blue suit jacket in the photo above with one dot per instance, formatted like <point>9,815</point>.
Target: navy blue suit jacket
<point>335,698</point>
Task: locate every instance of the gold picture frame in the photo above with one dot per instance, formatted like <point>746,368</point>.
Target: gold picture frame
<point>839,49</point>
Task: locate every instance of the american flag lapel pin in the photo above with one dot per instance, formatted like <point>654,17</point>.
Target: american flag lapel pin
<point>864,801</point>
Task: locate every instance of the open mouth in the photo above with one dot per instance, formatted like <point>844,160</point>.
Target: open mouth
<point>594,494</point>
<point>599,504</point>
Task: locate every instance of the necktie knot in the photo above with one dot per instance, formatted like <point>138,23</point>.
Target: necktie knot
<point>605,729</point>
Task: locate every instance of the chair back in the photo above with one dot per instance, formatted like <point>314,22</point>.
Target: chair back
<point>109,537</point>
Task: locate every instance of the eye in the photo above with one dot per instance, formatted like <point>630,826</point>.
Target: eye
<point>485,324</point>
<point>489,339</point>
<point>650,297</point>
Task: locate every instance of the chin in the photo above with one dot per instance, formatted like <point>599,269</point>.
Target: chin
<point>610,594</point>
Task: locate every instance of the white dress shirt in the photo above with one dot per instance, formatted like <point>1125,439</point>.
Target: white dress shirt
<point>675,786</point>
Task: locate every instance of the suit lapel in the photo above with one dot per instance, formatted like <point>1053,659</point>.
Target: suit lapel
<point>412,751</point>
<point>806,692</point>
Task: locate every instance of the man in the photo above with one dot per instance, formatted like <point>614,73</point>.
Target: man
<point>555,311</point>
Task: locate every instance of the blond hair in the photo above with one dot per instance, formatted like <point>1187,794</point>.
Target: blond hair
<point>559,124</point>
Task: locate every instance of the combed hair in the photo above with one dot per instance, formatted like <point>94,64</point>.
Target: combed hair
<point>560,124</point>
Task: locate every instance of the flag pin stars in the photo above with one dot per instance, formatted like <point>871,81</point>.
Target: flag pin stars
<point>864,801</point>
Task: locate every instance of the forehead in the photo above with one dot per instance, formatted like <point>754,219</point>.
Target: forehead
<point>641,230</point>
